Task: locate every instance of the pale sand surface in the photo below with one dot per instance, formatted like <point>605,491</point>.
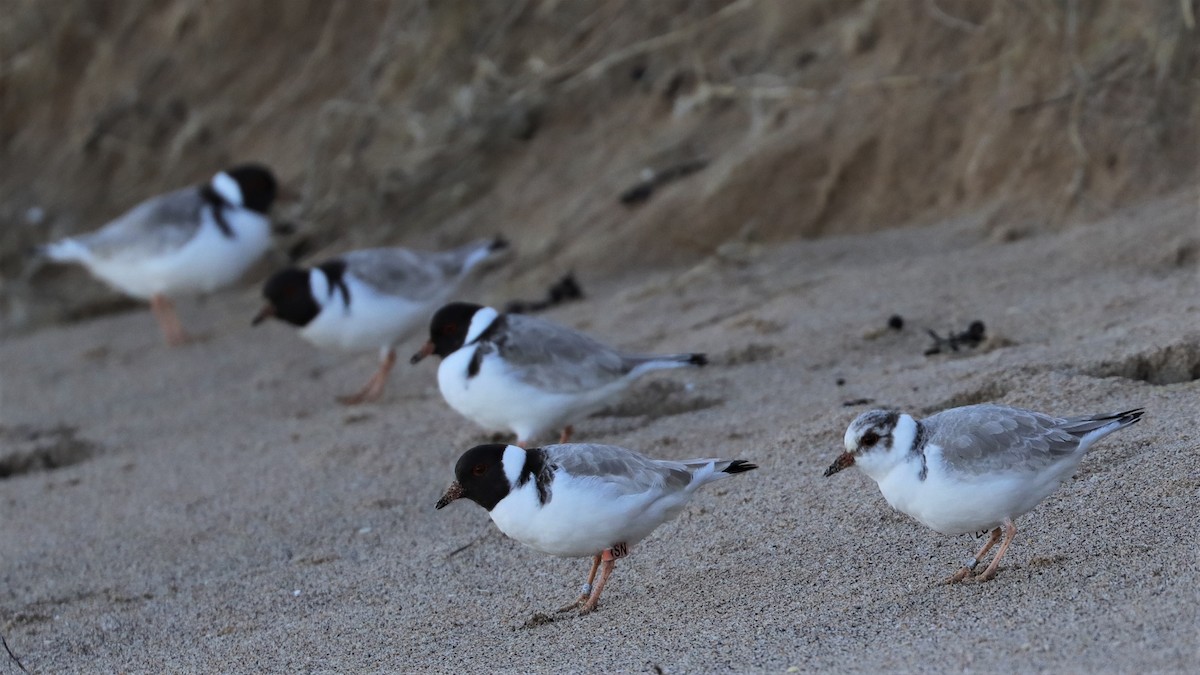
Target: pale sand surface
<point>234,519</point>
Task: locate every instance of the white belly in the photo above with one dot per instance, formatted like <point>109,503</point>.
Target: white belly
<point>495,399</point>
<point>957,504</point>
<point>584,520</point>
<point>210,260</point>
<point>371,321</point>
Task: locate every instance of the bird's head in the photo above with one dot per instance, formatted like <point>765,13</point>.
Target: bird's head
<point>485,474</point>
<point>871,441</point>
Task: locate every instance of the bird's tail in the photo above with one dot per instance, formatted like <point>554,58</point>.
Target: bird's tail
<point>645,364</point>
<point>481,250</point>
<point>708,470</point>
<point>67,250</point>
<point>1091,428</point>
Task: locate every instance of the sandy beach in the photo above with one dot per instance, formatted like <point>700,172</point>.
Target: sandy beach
<point>216,511</point>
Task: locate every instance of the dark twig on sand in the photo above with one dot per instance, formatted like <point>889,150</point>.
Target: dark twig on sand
<point>971,337</point>
<point>566,290</point>
<point>469,544</point>
<point>11,655</point>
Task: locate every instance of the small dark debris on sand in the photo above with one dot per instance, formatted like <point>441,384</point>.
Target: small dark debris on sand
<point>857,401</point>
<point>538,619</point>
<point>971,337</point>
<point>896,322</point>
<point>652,180</point>
<point>300,249</point>
<point>566,290</point>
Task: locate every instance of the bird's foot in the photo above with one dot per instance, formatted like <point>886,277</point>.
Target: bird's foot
<point>584,593</point>
<point>181,339</point>
<point>967,568</point>
<point>572,606</point>
<point>959,576</point>
<point>369,393</point>
<point>353,399</point>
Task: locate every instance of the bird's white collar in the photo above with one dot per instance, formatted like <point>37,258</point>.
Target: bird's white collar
<point>484,317</point>
<point>228,188</point>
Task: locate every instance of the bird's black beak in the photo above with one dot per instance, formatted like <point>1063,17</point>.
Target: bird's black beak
<point>844,460</point>
<point>263,314</point>
<point>426,350</point>
<point>455,491</point>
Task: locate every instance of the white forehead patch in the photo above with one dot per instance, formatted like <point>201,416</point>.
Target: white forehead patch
<point>483,318</point>
<point>514,463</point>
<point>228,188</point>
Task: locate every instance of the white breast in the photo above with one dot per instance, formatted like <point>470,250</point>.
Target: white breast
<point>958,503</point>
<point>372,320</point>
<point>496,399</point>
<point>583,516</point>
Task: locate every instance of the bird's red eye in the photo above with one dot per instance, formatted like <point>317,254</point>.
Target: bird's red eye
<point>450,329</point>
<point>869,439</point>
<point>479,470</point>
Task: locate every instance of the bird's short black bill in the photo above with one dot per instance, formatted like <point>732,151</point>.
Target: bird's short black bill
<point>426,350</point>
<point>455,491</point>
<point>844,460</point>
<point>263,314</point>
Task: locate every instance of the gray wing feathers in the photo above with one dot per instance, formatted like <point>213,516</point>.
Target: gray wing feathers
<point>986,438</point>
<point>157,225</point>
<point>398,271</point>
<point>556,358</point>
<point>416,275</point>
<point>630,472</point>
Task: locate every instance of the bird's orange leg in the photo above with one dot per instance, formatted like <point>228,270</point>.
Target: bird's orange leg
<point>587,588</point>
<point>566,434</point>
<point>168,322</point>
<point>374,386</point>
<point>609,556</point>
<point>970,566</point>
<point>1010,531</point>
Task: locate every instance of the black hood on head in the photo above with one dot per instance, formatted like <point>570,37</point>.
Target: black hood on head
<point>480,472</point>
<point>257,184</point>
<point>449,327</point>
<point>290,296</point>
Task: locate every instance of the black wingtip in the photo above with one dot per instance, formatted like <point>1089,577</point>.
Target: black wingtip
<point>739,466</point>
<point>1131,416</point>
<point>698,360</point>
<point>498,244</point>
